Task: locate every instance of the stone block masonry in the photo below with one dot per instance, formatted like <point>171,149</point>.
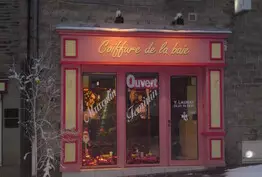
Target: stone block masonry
<point>13,47</point>
<point>144,12</point>
<point>243,76</point>
<point>12,25</point>
<point>243,84</point>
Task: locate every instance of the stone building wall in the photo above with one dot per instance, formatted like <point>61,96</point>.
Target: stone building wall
<point>137,14</point>
<point>13,47</point>
<point>243,75</point>
<point>243,82</point>
<point>13,32</point>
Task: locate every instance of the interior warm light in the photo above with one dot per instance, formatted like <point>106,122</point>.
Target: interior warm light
<point>249,154</point>
<point>115,29</point>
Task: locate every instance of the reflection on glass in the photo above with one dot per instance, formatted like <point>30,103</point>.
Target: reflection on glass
<point>184,145</point>
<point>99,121</point>
<point>142,118</point>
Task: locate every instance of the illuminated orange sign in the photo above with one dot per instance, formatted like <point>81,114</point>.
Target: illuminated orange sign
<point>128,50</point>
<point>121,47</point>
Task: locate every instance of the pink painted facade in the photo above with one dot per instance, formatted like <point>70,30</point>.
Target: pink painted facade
<point>187,54</point>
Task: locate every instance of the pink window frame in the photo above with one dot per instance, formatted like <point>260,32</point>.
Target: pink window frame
<point>221,127</point>
<point>221,148</point>
<point>68,137</point>
<point>77,96</point>
<point>64,47</point>
<point>76,153</point>
<point>221,50</point>
<point>199,73</point>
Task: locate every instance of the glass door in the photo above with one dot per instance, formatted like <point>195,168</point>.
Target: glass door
<point>183,123</point>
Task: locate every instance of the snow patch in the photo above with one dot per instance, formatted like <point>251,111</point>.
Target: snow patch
<point>250,171</point>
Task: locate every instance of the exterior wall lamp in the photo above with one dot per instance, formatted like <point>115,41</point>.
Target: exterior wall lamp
<point>119,18</point>
<point>178,19</point>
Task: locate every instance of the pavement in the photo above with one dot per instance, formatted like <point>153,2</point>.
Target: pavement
<point>212,172</point>
<point>11,171</point>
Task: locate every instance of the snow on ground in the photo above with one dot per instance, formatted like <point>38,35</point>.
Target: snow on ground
<point>250,171</point>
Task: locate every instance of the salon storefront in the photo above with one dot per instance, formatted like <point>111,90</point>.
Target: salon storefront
<point>141,98</point>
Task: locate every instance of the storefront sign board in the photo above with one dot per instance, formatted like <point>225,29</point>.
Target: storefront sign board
<point>126,50</point>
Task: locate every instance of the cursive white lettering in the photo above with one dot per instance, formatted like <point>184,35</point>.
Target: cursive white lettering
<point>111,94</point>
<point>131,112</point>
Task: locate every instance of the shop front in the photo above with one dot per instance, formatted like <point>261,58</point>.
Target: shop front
<point>151,99</point>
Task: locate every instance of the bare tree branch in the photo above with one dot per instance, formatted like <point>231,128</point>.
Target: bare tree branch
<point>41,93</point>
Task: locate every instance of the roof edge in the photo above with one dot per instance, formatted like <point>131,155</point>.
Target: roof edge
<point>138,30</point>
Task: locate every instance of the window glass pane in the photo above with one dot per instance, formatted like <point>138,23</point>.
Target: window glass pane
<point>11,113</point>
<point>99,121</point>
<point>184,145</point>
<point>142,118</point>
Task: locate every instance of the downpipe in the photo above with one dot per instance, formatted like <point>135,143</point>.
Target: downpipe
<point>35,53</point>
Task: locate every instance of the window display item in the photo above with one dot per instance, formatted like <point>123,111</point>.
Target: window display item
<point>99,121</point>
<point>142,123</point>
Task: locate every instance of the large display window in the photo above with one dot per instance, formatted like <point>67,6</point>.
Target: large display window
<point>100,120</point>
<point>142,118</point>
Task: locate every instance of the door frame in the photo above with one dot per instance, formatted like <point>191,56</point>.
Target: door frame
<point>165,72</point>
<point>199,73</point>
